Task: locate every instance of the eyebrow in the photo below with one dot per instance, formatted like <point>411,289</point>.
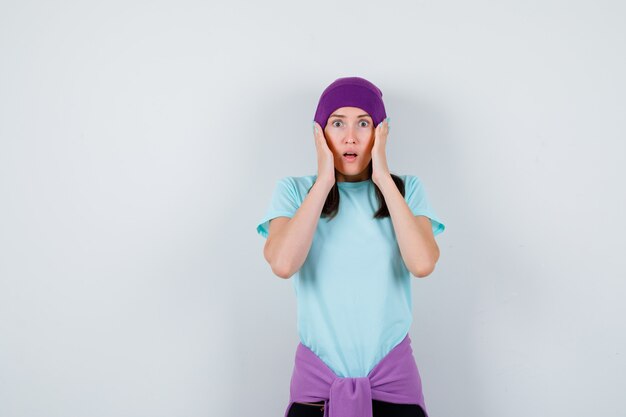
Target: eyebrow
<point>341,115</point>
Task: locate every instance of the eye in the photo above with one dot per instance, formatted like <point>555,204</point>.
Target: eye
<point>336,121</point>
<point>366,123</point>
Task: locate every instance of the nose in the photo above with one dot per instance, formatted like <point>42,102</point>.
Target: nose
<point>351,135</point>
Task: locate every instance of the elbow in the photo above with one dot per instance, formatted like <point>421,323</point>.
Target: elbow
<point>426,268</point>
<point>282,272</point>
<point>280,269</point>
<point>423,270</point>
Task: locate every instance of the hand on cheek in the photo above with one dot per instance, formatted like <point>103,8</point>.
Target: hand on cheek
<point>380,170</point>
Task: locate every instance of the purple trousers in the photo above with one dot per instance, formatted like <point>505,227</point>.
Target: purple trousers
<point>394,379</point>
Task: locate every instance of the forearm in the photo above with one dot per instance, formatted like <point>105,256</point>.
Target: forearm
<point>414,234</point>
<point>288,249</point>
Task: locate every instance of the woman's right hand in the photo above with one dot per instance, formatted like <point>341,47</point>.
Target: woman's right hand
<point>325,159</point>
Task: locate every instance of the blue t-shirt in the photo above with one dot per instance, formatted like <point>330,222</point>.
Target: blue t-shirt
<point>353,291</point>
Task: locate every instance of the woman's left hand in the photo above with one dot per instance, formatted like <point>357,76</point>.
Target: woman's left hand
<point>380,170</point>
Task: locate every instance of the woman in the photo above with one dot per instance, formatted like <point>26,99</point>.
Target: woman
<point>352,236</point>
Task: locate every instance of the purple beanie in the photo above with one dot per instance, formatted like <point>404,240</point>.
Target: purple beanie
<point>351,92</point>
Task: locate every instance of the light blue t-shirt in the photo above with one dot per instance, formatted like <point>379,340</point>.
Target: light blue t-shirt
<point>353,291</point>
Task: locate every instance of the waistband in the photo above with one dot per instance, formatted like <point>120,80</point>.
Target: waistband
<point>394,379</point>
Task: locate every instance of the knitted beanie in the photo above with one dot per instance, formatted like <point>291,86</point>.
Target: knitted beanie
<point>351,92</point>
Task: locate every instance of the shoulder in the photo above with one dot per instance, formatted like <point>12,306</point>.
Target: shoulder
<point>295,187</point>
<point>303,182</point>
<point>410,180</point>
<point>413,186</point>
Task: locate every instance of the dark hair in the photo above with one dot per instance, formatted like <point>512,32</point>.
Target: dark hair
<point>331,206</point>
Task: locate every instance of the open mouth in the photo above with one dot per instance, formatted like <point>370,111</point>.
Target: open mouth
<point>349,156</point>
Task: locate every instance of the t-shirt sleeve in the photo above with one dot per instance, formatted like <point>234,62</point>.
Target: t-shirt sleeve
<point>284,202</point>
<point>415,196</point>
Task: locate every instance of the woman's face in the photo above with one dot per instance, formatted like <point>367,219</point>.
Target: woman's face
<point>350,129</point>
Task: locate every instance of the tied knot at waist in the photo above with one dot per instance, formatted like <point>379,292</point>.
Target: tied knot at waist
<point>349,396</point>
<point>394,379</point>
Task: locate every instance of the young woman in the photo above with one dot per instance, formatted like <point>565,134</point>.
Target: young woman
<point>352,236</point>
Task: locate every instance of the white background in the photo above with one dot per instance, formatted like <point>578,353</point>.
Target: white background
<point>140,143</point>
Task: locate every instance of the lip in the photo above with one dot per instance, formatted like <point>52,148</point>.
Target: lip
<point>349,158</point>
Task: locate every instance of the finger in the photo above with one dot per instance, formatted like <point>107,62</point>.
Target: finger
<point>318,129</point>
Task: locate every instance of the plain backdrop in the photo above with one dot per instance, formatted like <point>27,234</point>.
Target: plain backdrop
<point>140,143</point>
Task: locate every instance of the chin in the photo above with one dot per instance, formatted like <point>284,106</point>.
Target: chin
<point>351,171</point>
